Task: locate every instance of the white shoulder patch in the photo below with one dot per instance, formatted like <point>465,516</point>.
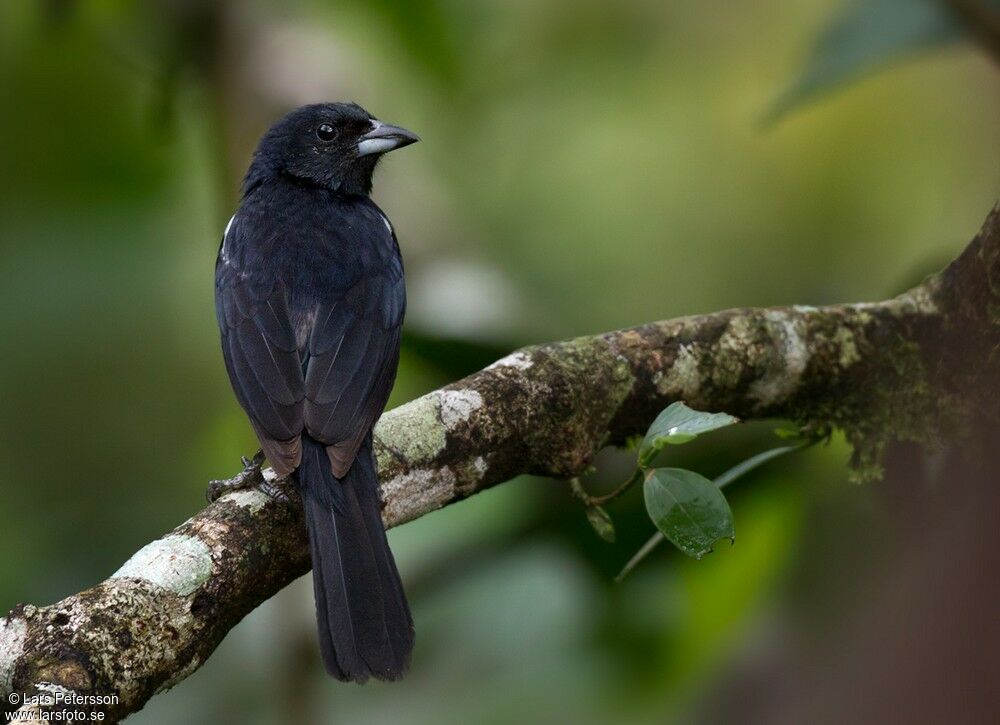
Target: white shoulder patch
<point>222,252</point>
<point>385,220</point>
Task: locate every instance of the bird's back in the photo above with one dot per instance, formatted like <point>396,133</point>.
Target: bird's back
<point>310,279</point>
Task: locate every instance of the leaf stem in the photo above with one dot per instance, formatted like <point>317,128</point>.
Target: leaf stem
<point>653,542</point>
<point>577,487</point>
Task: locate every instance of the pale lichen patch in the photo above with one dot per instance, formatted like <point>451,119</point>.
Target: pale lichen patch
<point>683,380</point>
<point>458,405</point>
<point>519,360</point>
<point>13,631</point>
<point>741,343</point>
<point>251,499</point>
<point>177,563</point>
<point>414,430</point>
<point>779,380</point>
<point>415,493</point>
<point>848,347</point>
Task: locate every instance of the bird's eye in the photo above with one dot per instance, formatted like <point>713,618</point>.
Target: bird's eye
<point>326,132</point>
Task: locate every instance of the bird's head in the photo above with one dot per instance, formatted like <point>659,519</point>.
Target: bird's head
<point>331,145</point>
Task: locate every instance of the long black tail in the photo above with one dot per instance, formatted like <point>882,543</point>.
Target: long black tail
<point>365,627</point>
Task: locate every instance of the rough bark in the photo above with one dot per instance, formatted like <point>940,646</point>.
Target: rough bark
<point>909,368</point>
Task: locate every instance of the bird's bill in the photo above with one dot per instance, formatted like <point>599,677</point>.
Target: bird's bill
<point>384,137</point>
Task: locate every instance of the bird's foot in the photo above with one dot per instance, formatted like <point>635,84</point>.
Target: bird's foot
<point>276,488</point>
<point>250,477</point>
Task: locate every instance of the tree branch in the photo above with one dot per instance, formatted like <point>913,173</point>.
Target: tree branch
<point>908,367</point>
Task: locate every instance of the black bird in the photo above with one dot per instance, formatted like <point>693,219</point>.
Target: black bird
<point>310,300</point>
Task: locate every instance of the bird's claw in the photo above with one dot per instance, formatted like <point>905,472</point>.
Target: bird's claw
<point>275,488</point>
<point>250,477</point>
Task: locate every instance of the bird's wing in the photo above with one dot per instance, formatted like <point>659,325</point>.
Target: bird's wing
<point>258,344</point>
<point>353,351</point>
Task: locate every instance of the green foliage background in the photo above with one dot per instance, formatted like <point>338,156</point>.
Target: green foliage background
<point>585,166</point>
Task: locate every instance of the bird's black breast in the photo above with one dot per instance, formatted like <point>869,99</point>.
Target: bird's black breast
<point>310,301</point>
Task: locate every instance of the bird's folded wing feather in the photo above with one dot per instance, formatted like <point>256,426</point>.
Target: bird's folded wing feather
<point>353,351</point>
<point>258,345</point>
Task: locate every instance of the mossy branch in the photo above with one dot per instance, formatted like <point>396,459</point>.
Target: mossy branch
<point>906,368</point>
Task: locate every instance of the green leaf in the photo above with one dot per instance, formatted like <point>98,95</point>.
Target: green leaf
<point>740,469</point>
<point>678,424</point>
<point>601,522</point>
<point>865,36</point>
<point>689,509</point>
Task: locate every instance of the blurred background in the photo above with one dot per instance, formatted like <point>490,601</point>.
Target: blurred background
<point>584,166</point>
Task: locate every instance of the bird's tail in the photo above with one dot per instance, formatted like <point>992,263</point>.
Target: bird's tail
<point>365,627</point>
